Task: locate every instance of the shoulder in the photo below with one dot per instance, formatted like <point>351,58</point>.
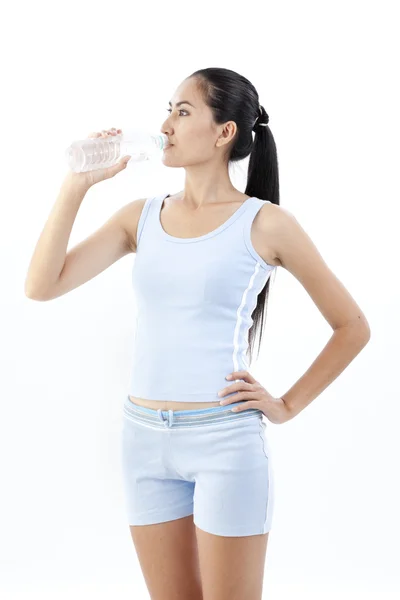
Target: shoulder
<point>291,243</point>
<point>285,235</point>
<point>277,220</point>
<point>129,216</point>
<point>272,222</point>
<point>273,214</point>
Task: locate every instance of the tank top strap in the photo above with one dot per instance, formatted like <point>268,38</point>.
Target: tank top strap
<point>149,213</point>
<point>247,221</point>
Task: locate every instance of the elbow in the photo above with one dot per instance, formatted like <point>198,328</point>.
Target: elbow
<point>37,298</point>
<point>32,295</point>
<point>363,332</point>
<point>37,290</point>
<point>359,330</point>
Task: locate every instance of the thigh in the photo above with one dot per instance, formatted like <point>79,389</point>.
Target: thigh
<point>154,492</point>
<point>234,499</point>
<point>234,493</point>
<point>168,557</point>
<point>232,568</point>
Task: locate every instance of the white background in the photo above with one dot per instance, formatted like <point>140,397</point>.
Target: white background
<point>326,74</point>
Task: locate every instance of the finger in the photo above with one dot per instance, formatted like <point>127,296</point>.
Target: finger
<point>245,406</point>
<point>242,375</point>
<point>236,387</point>
<point>106,134</point>
<point>237,397</point>
<point>230,401</point>
<point>121,164</point>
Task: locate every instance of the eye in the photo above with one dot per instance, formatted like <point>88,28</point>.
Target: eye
<point>180,110</point>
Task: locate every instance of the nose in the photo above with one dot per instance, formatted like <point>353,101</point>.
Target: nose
<point>165,129</point>
<point>167,134</point>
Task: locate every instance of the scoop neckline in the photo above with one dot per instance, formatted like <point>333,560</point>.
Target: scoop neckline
<point>224,225</point>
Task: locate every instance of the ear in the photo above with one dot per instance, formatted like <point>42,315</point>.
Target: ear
<point>227,134</point>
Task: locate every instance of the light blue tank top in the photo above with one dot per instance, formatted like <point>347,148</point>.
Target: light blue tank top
<point>195,298</point>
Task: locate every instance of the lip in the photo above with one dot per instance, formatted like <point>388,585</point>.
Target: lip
<point>168,147</point>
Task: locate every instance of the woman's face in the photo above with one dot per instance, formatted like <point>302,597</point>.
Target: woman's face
<point>190,128</point>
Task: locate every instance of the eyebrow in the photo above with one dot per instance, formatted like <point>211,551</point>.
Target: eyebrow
<point>182,102</point>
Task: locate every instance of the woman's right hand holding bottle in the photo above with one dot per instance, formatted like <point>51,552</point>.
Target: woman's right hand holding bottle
<point>89,178</point>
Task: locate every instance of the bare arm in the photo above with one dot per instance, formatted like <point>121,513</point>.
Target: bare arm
<point>351,332</point>
<point>52,272</point>
<point>49,254</point>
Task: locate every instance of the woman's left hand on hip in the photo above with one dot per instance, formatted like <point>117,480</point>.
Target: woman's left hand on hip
<point>255,396</point>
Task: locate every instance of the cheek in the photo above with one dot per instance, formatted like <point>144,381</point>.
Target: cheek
<point>193,147</point>
<point>200,147</point>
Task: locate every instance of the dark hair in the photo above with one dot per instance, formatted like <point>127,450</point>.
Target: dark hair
<point>232,97</point>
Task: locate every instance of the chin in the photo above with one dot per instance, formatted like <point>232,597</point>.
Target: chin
<point>169,161</point>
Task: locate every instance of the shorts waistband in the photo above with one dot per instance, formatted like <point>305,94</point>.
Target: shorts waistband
<point>176,418</point>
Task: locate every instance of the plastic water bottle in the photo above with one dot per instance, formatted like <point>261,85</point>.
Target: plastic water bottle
<point>97,153</point>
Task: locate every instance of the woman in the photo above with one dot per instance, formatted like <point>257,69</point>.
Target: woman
<point>198,475</point>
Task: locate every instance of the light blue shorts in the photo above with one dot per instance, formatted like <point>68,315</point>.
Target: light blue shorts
<point>211,462</point>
